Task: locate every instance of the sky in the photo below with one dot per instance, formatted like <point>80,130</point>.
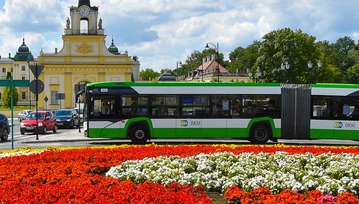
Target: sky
<point>164,32</point>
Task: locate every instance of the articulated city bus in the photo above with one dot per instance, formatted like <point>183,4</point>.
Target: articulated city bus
<point>257,112</point>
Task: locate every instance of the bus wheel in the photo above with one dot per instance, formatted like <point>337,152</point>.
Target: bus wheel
<point>138,134</point>
<point>259,134</point>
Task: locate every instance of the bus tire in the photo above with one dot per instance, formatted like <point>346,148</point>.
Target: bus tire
<point>260,134</point>
<point>139,134</point>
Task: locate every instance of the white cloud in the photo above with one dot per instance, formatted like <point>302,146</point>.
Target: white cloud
<point>162,32</point>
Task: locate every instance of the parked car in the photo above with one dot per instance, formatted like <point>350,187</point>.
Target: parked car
<point>4,127</point>
<point>67,118</point>
<point>45,120</point>
<point>22,114</point>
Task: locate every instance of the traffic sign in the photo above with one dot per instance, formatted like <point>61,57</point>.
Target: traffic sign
<point>60,96</point>
<point>36,70</point>
<point>37,83</point>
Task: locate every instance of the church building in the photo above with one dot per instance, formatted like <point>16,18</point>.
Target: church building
<point>84,58</point>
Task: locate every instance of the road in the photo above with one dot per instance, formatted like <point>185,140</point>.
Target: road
<point>63,137</point>
<point>72,137</point>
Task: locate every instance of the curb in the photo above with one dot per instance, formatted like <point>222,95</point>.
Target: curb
<point>63,140</point>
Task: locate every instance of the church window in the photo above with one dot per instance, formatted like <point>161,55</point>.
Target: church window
<point>22,68</point>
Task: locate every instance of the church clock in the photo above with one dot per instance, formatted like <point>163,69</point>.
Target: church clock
<point>84,11</point>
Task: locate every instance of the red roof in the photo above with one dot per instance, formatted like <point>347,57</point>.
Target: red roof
<point>211,66</point>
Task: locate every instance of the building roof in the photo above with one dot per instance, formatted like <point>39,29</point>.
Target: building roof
<point>211,66</point>
<point>167,77</point>
<point>113,49</point>
<point>84,2</point>
<point>23,53</point>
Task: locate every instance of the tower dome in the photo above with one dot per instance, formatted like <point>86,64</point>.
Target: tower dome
<point>23,53</point>
<point>113,49</point>
<point>23,47</point>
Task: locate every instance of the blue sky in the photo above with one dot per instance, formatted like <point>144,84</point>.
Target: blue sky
<point>162,32</point>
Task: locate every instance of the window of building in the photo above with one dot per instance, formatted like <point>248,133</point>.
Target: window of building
<point>12,70</point>
<point>23,78</point>
<point>23,68</point>
<point>3,70</point>
<point>54,100</point>
<point>23,95</point>
<point>0,95</point>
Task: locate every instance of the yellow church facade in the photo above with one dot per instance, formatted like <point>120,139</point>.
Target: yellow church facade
<point>84,58</point>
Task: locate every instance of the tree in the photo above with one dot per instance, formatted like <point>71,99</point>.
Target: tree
<point>353,74</point>
<point>6,96</point>
<point>244,58</point>
<point>284,45</point>
<point>342,47</point>
<point>330,72</point>
<point>148,74</point>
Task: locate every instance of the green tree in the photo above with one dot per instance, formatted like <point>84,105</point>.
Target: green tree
<point>6,96</point>
<point>330,72</point>
<point>342,47</point>
<point>285,45</point>
<point>148,74</point>
<point>244,58</point>
<point>353,74</point>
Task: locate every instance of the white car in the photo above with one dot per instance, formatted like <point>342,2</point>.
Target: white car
<point>22,114</point>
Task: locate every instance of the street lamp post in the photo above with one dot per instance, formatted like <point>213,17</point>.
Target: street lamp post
<point>28,67</point>
<point>284,67</point>
<point>177,63</point>
<point>217,53</point>
<point>310,66</point>
<point>256,77</point>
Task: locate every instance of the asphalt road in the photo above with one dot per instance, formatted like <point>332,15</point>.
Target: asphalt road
<point>72,137</point>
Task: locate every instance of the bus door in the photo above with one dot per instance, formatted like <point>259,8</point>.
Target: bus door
<point>104,121</point>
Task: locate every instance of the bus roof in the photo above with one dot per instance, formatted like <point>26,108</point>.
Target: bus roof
<point>155,84</point>
<point>326,89</point>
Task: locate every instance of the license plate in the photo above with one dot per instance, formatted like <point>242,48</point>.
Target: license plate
<point>30,128</point>
<point>60,123</point>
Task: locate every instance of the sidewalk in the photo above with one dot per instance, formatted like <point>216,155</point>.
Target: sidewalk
<point>73,136</point>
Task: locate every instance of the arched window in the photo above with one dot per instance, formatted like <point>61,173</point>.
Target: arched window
<point>84,26</point>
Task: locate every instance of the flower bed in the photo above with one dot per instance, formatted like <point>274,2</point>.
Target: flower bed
<point>78,175</point>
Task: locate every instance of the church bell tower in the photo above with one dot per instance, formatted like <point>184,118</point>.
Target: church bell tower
<point>84,20</point>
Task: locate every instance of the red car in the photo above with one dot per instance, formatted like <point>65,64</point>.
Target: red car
<point>46,121</point>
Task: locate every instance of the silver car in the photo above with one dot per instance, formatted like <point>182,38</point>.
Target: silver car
<point>22,114</point>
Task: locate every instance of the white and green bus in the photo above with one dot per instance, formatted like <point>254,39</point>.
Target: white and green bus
<point>256,112</point>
